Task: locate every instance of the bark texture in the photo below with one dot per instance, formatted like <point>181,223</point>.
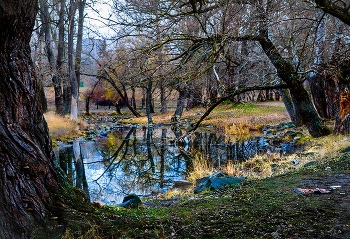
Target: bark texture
<point>303,105</point>
<point>301,99</point>
<point>27,172</point>
<point>72,75</point>
<point>316,79</point>
<point>342,124</point>
<point>288,102</point>
<point>179,106</point>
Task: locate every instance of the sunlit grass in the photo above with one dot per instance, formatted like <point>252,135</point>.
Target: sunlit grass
<point>201,168</point>
<point>249,115</point>
<point>62,128</point>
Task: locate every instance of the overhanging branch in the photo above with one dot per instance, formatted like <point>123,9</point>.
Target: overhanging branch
<point>229,96</point>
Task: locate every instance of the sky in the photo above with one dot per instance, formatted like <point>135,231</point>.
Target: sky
<point>96,13</point>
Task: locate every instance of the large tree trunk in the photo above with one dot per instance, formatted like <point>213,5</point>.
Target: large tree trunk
<point>301,99</point>
<point>148,101</point>
<point>57,78</point>
<point>342,124</point>
<point>67,96</point>
<point>28,174</point>
<point>332,93</point>
<point>45,19</point>
<point>81,6</point>
<point>72,76</point>
<point>317,88</point>
<point>195,98</point>
<point>332,97</point>
<point>288,102</point>
<point>316,79</point>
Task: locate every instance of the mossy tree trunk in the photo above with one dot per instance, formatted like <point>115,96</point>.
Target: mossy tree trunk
<point>28,174</point>
<point>301,99</point>
<point>303,105</point>
<point>148,101</point>
<point>288,102</point>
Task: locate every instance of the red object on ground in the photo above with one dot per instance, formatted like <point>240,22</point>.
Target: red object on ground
<point>309,191</point>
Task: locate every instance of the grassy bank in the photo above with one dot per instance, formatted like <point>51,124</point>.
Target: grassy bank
<point>62,128</point>
<point>250,115</point>
<point>264,207</point>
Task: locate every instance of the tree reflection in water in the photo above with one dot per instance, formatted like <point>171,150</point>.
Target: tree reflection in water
<point>139,160</point>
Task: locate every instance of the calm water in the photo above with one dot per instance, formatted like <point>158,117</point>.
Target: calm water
<point>126,159</point>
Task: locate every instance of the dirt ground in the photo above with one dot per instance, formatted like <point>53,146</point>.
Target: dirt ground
<point>274,103</point>
<point>339,198</point>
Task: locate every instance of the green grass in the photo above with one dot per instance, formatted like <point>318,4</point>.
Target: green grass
<point>256,209</point>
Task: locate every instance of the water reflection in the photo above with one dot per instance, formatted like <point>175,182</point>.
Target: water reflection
<point>147,159</point>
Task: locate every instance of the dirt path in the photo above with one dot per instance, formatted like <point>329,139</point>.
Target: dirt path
<point>274,103</point>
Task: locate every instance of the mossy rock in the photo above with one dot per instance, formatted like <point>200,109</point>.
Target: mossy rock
<point>311,163</point>
<point>216,181</point>
<point>131,201</point>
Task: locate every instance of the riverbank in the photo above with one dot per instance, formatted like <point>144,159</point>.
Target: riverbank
<point>264,208</point>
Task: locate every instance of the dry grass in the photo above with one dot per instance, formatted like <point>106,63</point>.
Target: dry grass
<point>62,128</point>
<point>235,130</point>
<point>262,166</point>
<point>201,168</point>
<point>251,116</point>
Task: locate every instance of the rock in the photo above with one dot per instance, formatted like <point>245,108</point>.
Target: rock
<point>98,204</point>
<point>276,235</point>
<point>216,181</point>
<point>274,165</point>
<point>182,183</point>
<point>290,125</point>
<point>328,168</point>
<point>103,135</point>
<point>290,133</point>
<point>295,140</point>
<point>131,201</point>
<point>311,163</point>
<point>347,149</point>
